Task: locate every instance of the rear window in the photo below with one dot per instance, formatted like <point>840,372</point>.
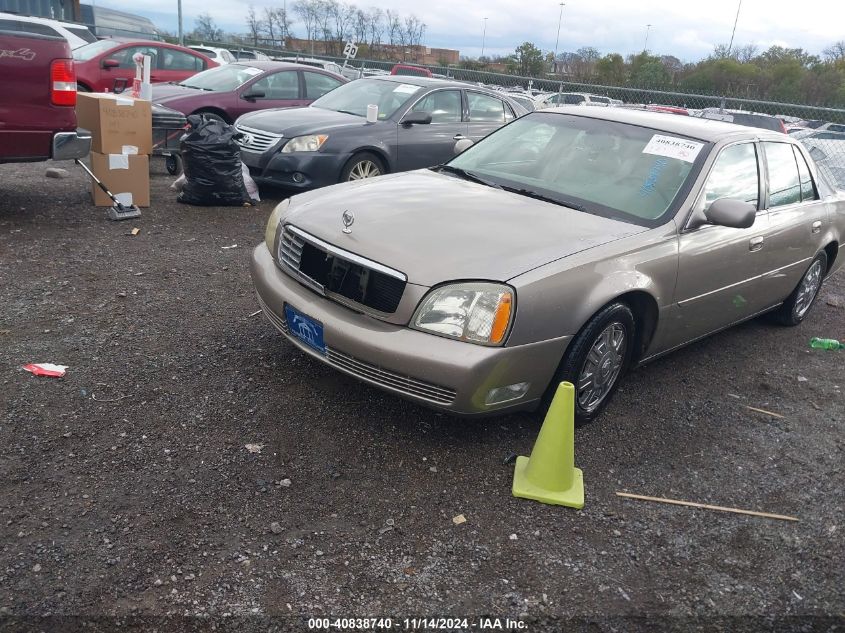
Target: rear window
<point>90,51</point>
<point>28,27</point>
<point>756,120</point>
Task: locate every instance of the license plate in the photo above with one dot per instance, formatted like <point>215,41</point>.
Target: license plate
<point>305,329</point>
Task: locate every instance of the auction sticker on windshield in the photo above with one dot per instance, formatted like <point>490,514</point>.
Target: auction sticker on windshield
<point>406,88</point>
<point>673,147</point>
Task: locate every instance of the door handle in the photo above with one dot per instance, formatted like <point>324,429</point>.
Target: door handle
<point>458,137</point>
<point>817,226</point>
<point>756,243</point>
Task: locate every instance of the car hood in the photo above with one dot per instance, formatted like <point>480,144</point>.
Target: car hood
<point>297,121</point>
<point>168,93</point>
<point>435,227</point>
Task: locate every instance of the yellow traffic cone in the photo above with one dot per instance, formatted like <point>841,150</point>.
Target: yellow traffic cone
<point>549,475</point>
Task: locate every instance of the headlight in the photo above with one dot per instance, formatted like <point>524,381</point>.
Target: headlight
<point>273,223</point>
<point>310,143</point>
<point>477,312</point>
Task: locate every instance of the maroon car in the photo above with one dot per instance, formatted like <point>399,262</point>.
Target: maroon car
<point>107,65</point>
<point>231,90</point>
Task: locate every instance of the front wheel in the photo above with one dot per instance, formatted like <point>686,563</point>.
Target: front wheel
<point>798,304</point>
<point>360,166</point>
<point>596,360</point>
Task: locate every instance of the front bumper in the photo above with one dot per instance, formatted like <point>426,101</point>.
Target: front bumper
<point>431,370</point>
<point>70,145</point>
<point>297,170</point>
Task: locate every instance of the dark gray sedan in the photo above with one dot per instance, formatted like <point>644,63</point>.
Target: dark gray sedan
<point>413,122</point>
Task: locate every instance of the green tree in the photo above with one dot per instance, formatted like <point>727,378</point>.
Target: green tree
<point>527,60</point>
<point>610,69</point>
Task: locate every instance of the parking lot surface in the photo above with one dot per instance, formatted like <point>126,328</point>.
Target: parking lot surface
<point>129,491</point>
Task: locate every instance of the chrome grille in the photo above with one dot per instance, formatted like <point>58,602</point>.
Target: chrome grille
<point>362,369</point>
<point>256,140</point>
<point>290,249</point>
<point>338,273</point>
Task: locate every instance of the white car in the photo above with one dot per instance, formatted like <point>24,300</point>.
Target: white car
<point>556,99</point>
<point>828,150</point>
<point>220,55</point>
<point>76,34</point>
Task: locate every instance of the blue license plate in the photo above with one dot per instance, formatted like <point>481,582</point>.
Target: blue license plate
<point>305,329</point>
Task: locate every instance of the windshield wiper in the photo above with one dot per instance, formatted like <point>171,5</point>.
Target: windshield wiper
<point>530,193</point>
<point>468,175</point>
<point>349,112</point>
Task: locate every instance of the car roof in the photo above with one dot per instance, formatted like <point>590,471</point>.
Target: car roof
<point>693,127</point>
<point>273,65</point>
<point>428,82</point>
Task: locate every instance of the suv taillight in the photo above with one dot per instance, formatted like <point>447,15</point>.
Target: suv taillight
<point>62,83</point>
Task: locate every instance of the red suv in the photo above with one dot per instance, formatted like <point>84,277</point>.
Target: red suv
<point>107,65</point>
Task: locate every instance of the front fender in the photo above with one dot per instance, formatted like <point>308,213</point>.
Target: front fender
<point>558,299</point>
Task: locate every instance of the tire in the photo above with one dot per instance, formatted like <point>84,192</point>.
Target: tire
<point>797,305</point>
<point>212,115</point>
<point>172,165</point>
<point>361,166</point>
<point>604,346</point>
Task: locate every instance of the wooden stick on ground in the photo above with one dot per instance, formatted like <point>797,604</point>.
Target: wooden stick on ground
<point>705,506</point>
<point>774,415</point>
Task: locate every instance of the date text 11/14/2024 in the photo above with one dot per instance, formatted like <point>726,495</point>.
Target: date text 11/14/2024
<point>417,624</point>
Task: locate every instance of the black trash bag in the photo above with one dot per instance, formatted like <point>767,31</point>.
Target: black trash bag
<point>212,163</point>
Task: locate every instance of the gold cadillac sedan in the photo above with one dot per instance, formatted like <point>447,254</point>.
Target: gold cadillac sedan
<point>570,245</point>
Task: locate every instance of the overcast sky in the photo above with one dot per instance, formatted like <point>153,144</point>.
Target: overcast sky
<point>688,30</point>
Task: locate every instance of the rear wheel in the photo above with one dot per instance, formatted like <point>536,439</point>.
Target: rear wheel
<point>596,360</point>
<point>361,166</point>
<point>798,304</point>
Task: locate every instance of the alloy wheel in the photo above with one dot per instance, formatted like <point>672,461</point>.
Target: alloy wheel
<point>807,290</point>
<point>601,366</point>
<point>364,169</point>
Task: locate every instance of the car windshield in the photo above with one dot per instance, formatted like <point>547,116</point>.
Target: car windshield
<point>90,51</point>
<point>606,168</point>
<point>354,97</point>
<point>82,33</point>
<point>222,78</point>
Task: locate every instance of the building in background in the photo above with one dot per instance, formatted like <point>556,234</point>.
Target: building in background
<point>64,10</point>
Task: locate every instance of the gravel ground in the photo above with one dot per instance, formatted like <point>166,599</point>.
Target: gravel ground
<point>129,494</point>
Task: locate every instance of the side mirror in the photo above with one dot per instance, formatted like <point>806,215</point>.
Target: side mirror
<point>731,213</point>
<point>110,63</point>
<point>463,145</point>
<point>416,116</point>
<point>252,95</point>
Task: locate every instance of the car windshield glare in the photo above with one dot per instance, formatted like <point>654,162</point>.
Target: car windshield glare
<point>606,168</point>
<point>354,97</point>
<point>90,51</point>
<point>222,78</point>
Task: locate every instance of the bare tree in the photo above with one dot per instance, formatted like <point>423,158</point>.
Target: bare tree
<point>836,51</point>
<point>746,53</point>
<point>253,23</point>
<point>307,12</point>
<point>413,32</point>
<point>375,16</point>
<point>205,29</point>
<point>394,27</point>
<point>268,25</point>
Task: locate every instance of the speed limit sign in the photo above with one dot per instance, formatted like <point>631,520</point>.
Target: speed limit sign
<point>350,50</point>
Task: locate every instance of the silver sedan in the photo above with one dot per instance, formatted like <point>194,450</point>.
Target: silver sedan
<point>569,245</point>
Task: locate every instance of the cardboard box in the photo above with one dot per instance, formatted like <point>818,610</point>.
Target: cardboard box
<point>119,124</point>
<point>127,176</point>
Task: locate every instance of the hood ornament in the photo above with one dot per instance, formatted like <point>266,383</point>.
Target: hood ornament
<point>348,220</point>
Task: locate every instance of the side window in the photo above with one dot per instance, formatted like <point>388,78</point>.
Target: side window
<point>316,85</point>
<point>784,185</point>
<point>444,106</point>
<point>833,127</point>
<point>178,60</point>
<point>125,55</point>
<point>734,175</point>
<point>281,86</point>
<point>509,115</point>
<point>808,190</point>
<point>573,99</point>
<point>485,108</point>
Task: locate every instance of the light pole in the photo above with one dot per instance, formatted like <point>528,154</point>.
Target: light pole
<point>483,37</point>
<point>730,46</point>
<point>645,46</point>
<point>557,41</point>
<point>181,37</point>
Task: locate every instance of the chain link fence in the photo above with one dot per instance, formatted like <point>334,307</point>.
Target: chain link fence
<point>820,129</point>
